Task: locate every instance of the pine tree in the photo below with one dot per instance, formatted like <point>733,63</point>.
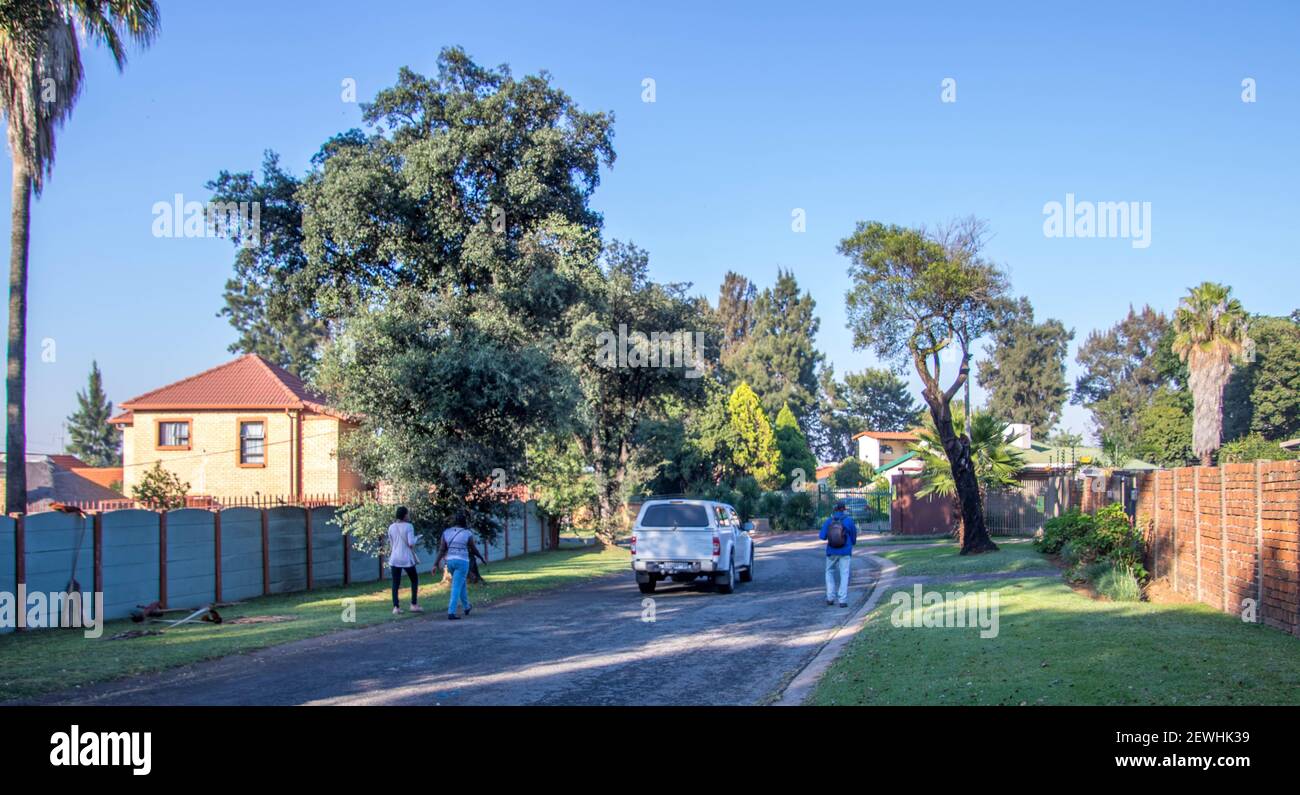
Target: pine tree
<point>779,359</point>
<point>93,439</point>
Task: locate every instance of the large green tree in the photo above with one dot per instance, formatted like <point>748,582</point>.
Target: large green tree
<point>1122,368</point>
<point>271,317</point>
<point>914,295</point>
<point>627,375</point>
<point>456,248</point>
<point>93,439</point>
<point>1263,395</point>
<point>1025,370</point>
<point>872,400</point>
<point>779,360</point>
<point>1211,333</point>
<point>40,80</point>
<point>1165,429</point>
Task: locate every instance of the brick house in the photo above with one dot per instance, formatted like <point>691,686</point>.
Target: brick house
<point>247,428</point>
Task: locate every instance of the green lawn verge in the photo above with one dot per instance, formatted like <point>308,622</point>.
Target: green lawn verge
<point>947,560</point>
<point>32,663</point>
<point>1055,646</point>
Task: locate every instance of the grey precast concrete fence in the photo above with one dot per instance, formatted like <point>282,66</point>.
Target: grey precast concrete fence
<point>191,557</point>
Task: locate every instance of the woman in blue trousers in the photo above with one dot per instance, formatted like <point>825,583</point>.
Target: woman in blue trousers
<point>456,547</point>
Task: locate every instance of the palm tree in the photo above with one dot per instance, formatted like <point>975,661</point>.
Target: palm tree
<point>997,461</point>
<point>1210,333</point>
<point>40,79</point>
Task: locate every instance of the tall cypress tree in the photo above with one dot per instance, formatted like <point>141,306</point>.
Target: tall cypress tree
<point>93,439</point>
<point>779,360</point>
<point>796,456</point>
<point>755,451</point>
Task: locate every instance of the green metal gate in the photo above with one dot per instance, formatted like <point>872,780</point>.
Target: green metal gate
<point>869,509</point>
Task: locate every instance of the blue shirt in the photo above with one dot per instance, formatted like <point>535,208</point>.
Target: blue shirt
<point>850,530</point>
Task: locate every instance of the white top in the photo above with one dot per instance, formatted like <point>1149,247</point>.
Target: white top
<point>457,539</point>
<point>401,545</point>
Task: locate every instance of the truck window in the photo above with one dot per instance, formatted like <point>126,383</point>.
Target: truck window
<point>675,515</point>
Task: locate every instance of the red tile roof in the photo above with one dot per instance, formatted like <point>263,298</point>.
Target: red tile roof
<point>104,476</point>
<point>67,461</point>
<point>249,382</point>
<point>125,418</point>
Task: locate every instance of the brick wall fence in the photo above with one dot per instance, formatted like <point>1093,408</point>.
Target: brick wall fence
<point>190,557</point>
<point>1225,534</point>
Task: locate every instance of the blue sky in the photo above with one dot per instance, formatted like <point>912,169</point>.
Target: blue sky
<point>760,108</point>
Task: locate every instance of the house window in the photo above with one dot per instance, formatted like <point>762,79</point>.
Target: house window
<point>886,450</point>
<point>174,435</point>
<point>252,443</point>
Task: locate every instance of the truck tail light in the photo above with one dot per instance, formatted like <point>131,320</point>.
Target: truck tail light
<point>633,545</point>
<point>717,546</point>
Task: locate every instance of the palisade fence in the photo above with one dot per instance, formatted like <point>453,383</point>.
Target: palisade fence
<point>1228,536</point>
<point>191,557</point>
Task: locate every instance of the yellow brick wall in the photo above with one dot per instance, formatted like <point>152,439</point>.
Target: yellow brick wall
<point>211,467</point>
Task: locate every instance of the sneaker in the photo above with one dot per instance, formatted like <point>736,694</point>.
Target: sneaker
<point>830,602</point>
<point>471,607</point>
<point>844,604</point>
<point>453,617</point>
<point>417,609</point>
<point>397,611</point>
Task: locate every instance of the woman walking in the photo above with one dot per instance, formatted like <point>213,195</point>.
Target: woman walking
<point>456,547</point>
<point>402,558</point>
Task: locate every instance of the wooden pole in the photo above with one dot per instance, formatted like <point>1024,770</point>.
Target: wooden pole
<point>347,560</point>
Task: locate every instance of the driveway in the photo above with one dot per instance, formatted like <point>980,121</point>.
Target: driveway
<point>586,644</point>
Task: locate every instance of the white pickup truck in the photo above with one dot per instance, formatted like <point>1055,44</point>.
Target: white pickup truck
<point>686,539</point>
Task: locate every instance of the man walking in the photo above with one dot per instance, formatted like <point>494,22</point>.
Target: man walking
<point>840,534</point>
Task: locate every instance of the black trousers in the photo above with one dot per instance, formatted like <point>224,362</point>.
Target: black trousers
<point>397,583</point>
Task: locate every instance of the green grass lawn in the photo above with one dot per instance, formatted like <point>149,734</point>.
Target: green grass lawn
<point>32,663</point>
<point>1055,646</point>
<point>893,539</point>
<point>947,560</point>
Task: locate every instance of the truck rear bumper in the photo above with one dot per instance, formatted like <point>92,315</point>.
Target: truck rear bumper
<point>673,566</point>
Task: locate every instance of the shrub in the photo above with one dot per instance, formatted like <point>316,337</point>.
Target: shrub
<point>1068,527</point>
<point>1114,539</point>
<point>770,504</point>
<point>1119,584</point>
<point>1067,554</point>
<point>1253,448</point>
<point>160,489</point>
<point>796,514</point>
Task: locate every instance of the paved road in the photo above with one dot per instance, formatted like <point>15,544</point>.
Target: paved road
<point>586,644</point>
